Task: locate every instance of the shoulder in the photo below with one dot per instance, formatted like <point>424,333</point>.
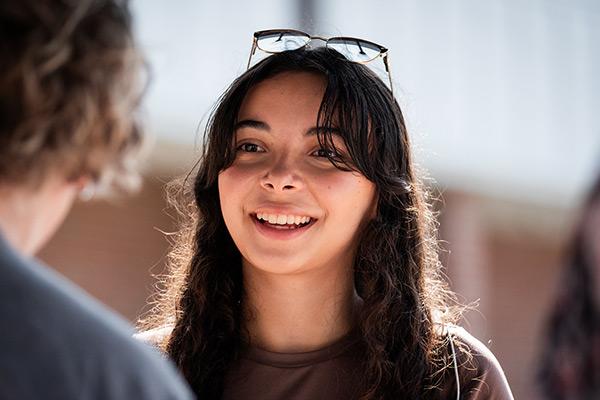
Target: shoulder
<point>70,344</point>
<point>479,371</point>
<point>156,337</point>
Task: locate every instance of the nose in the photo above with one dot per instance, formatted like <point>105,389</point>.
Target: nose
<point>281,176</point>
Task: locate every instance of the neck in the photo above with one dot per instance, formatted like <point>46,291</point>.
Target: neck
<point>16,223</point>
<point>28,215</point>
<point>299,313</point>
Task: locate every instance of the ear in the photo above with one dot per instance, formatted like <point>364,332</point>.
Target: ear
<point>81,182</point>
<point>85,187</point>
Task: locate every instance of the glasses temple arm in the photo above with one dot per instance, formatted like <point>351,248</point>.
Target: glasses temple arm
<point>387,68</point>
<point>360,47</point>
<point>252,51</point>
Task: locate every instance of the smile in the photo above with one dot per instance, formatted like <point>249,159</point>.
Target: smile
<point>283,219</point>
<point>282,226</point>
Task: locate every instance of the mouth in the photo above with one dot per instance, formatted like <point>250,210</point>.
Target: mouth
<point>283,221</point>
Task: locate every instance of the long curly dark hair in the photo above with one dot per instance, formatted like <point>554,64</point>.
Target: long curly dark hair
<point>397,271</point>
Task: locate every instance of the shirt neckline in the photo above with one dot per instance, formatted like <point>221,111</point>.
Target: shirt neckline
<point>295,360</point>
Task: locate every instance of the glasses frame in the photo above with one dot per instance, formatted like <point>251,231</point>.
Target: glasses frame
<point>383,51</point>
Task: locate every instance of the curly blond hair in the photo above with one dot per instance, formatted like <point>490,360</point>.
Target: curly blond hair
<point>70,83</point>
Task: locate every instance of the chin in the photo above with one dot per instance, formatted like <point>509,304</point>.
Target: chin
<point>276,265</point>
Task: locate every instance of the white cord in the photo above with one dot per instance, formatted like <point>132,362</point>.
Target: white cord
<point>455,367</point>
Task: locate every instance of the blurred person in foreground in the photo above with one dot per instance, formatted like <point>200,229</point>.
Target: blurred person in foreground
<point>571,358</point>
<point>68,87</point>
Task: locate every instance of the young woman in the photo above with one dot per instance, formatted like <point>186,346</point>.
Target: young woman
<point>308,268</point>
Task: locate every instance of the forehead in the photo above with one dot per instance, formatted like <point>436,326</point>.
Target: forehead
<point>288,97</point>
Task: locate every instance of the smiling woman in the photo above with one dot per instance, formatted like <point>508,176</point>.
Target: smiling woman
<point>309,268</point>
<point>280,172</point>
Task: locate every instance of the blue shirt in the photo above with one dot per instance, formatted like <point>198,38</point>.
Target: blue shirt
<point>58,343</point>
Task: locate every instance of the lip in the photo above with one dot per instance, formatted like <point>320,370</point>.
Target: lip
<point>281,234</point>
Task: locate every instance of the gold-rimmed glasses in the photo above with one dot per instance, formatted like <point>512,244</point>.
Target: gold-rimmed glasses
<point>356,50</point>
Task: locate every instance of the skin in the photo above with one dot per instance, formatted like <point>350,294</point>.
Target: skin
<point>29,216</point>
<point>300,287</point>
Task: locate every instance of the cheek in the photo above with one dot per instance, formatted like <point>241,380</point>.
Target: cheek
<point>348,193</point>
<point>234,184</point>
<point>227,194</point>
<point>242,173</point>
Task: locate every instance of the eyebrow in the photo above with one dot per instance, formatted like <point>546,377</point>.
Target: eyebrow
<point>316,131</point>
<point>251,123</point>
<point>263,126</point>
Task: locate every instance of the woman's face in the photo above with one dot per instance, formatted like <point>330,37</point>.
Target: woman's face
<point>287,208</point>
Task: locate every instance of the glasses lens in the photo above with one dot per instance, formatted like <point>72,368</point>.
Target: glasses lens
<point>355,50</point>
<point>278,41</point>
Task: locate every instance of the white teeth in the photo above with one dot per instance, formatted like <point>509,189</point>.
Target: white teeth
<point>282,219</point>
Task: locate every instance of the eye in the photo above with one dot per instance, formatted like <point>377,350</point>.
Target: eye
<point>326,153</point>
<point>250,148</point>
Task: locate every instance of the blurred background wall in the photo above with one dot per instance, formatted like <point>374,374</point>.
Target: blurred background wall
<point>501,100</point>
